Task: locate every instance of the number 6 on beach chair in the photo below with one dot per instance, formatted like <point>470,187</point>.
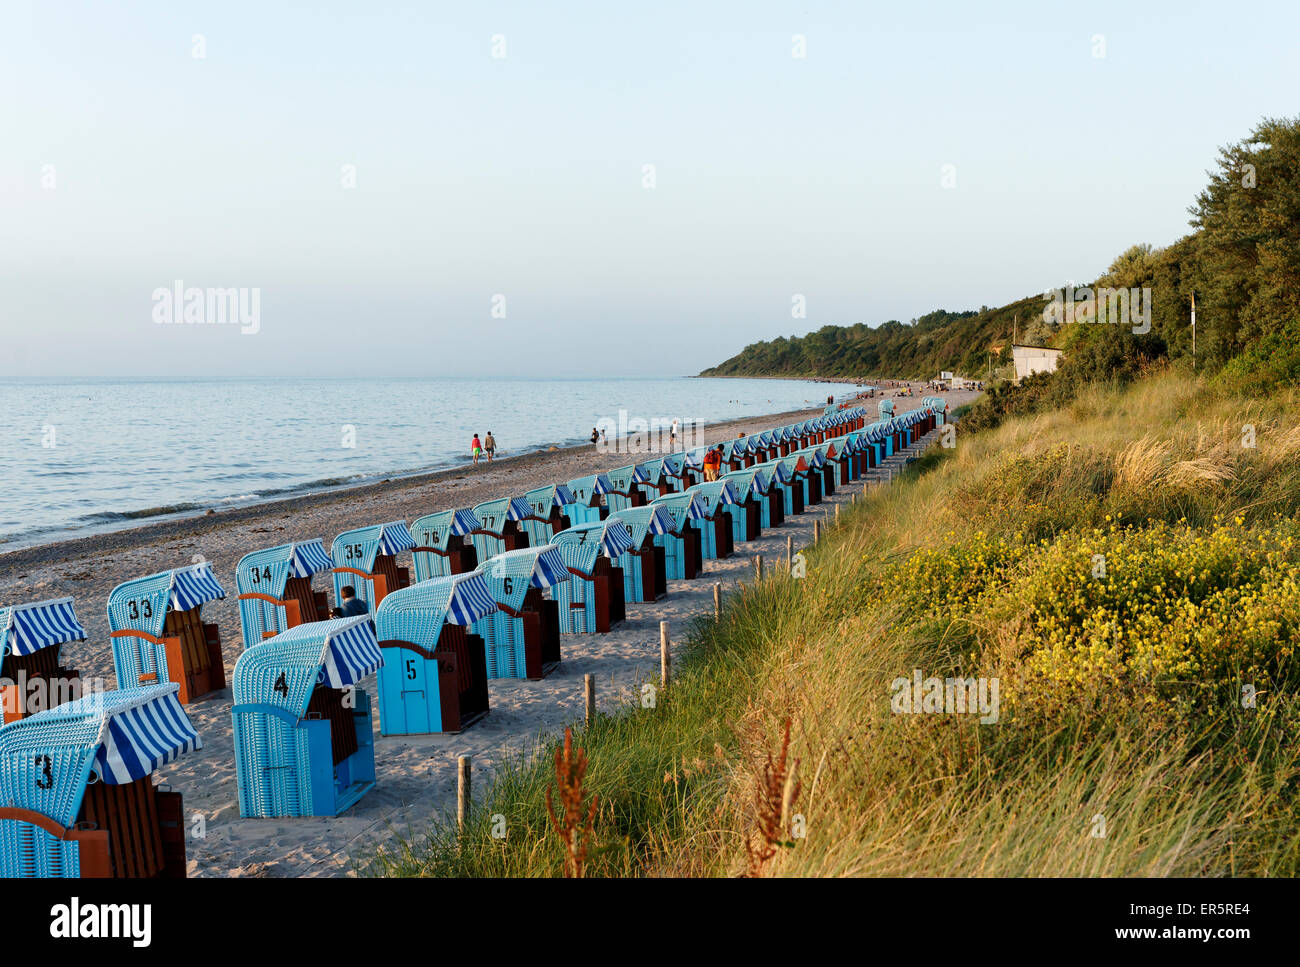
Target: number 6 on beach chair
<point>159,636</point>
<point>441,548</point>
<point>304,744</point>
<point>592,600</point>
<point>275,592</point>
<point>77,797</point>
<point>434,677</point>
<point>32,678</point>
<point>522,637</point>
<point>366,559</point>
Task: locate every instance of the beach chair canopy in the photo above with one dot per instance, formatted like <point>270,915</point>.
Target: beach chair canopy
<point>142,604</point>
<point>493,514</point>
<point>674,464</point>
<point>814,457</point>
<point>27,628</point>
<point>544,499</point>
<point>417,614</point>
<point>651,471</point>
<point>749,482</point>
<point>284,671</point>
<point>117,737</point>
<point>268,571</point>
<point>509,575</point>
<point>584,488</point>
<point>358,548</point>
<point>694,459</point>
<point>436,530</point>
<point>776,471</point>
<point>795,463</point>
<point>683,508</point>
<point>581,545</point>
<point>715,493</point>
<point>648,520</point>
<point>624,479</point>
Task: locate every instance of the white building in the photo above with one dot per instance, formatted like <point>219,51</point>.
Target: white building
<point>1034,359</point>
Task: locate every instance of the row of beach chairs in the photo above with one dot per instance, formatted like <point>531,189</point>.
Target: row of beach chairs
<point>495,589</point>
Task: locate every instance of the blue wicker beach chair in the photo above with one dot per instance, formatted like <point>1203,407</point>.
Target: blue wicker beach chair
<point>683,557</point>
<point>715,496</point>
<point>521,637</point>
<point>658,482</point>
<point>502,529</point>
<point>275,591</point>
<point>588,494</point>
<point>692,470</point>
<point>551,512</point>
<point>443,545</point>
<point>792,477</point>
<point>816,479</point>
<point>434,677</point>
<point>645,563</point>
<point>626,488</point>
<point>32,677</point>
<point>592,600</point>
<point>304,742</point>
<point>77,796</point>
<point>752,512</point>
<point>675,473</point>
<point>366,560</point>
<point>159,635</point>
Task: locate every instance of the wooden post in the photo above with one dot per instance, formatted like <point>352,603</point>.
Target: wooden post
<point>717,601</point>
<point>665,654</point>
<point>837,513</point>
<point>789,551</point>
<point>817,530</point>
<point>589,682</point>
<point>758,567</point>
<point>463,764</point>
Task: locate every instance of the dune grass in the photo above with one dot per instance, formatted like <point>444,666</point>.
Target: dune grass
<point>1126,568</point>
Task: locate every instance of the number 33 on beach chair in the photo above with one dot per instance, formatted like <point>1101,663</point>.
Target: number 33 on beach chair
<point>77,796</point>
<point>434,677</point>
<point>366,559</point>
<point>304,743</point>
<point>159,636</point>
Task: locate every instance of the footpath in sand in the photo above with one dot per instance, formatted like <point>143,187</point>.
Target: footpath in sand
<point>416,775</point>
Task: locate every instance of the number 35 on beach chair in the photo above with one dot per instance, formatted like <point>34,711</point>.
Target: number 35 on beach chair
<point>32,678</point>
<point>443,545</point>
<point>434,677</point>
<point>77,796</point>
<point>159,636</point>
<point>592,601</point>
<point>522,637</point>
<point>366,559</point>
<point>304,743</point>
<point>275,592</point>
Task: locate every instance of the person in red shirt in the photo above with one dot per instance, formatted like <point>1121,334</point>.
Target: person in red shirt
<point>713,463</point>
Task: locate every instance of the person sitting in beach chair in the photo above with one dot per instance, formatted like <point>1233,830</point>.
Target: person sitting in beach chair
<point>351,606</point>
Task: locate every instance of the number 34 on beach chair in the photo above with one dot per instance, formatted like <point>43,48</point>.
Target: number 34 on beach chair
<point>77,796</point>
<point>159,636</point>
<point>275,592</point>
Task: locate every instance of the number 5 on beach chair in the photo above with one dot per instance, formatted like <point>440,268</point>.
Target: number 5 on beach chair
<point>275,592</point>
<point>159,636</point>
<point>77,797</point>
<point>592,600</point>
<point>304,742</point>
<point>366,559</point>
<point>32,678</point>
<point>522,637</point>
<point>434,677</point>
<point>443,545</point>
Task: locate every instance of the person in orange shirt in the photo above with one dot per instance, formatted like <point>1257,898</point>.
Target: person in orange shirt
<point>713,463</point>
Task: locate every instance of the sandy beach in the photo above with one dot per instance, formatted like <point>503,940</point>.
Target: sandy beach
<point>416,775</point>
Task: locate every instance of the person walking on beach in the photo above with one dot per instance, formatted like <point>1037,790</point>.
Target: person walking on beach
<point>476,445</point>
<point>489,445</point>
<point>672,434</point>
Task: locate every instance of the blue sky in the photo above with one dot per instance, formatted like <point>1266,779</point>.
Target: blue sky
<point>127,163</point>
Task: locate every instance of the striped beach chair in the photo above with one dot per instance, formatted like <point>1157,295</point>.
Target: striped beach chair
<point>751,507</point>
<point>77,797</point>
<point>626,488</point>
<point>434,677</point>
<point>158,632</point>
<point>817,474</point>
<point>683,557</point>
<point>589,494</point>
<point>675,471</point>
<point>443,545</point>
<point>645,563</point>
<point>521,637</point>
<point>714,496</point>
<point>790,477</point>
<point>657,481</point>
<point>365,559</point>
<point>32,676</point>
<point>501,528</point>
<point>592,600</point>
<point>304,741</point>
<point>551,512</point>
<point>275,592</point>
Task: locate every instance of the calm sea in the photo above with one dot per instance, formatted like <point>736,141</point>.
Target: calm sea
<point>82,457</point>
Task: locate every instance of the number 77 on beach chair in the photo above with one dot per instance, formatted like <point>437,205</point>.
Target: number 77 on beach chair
<point>159,636</point>
<point>366,559</point>
<point>32,678</point>
<point>77,796</point>
<point>304,742</point>
<point>275,592</point>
